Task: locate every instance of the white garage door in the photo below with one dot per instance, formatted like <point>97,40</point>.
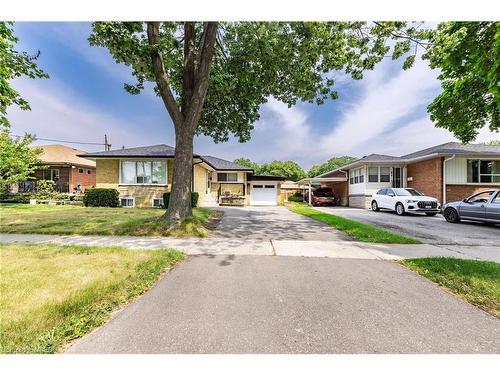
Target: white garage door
<point>264,194</point>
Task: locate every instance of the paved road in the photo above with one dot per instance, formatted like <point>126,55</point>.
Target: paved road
<point>427,229</point>
<point>263,304</point>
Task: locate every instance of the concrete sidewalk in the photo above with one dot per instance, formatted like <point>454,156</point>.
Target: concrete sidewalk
<point>242,246</point>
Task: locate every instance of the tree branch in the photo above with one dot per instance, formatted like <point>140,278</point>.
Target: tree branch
<point>161,77</point>
<point>188,73</point>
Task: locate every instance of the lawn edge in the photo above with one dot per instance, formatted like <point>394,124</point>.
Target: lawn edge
<point>403,263</point>
<point>405,240</point>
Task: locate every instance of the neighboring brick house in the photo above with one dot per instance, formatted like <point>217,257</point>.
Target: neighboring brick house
<point>449,172</point>
<point>70,172</point>
<point>142,174</point>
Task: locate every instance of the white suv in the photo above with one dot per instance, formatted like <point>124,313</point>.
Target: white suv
<point>403,200</point>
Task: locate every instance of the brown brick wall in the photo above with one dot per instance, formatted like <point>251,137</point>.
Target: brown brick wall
<point>459,192</point>
<point>427,177</point>
<point>84,179</point>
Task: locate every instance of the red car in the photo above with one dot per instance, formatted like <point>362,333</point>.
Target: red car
<point>324,196</point>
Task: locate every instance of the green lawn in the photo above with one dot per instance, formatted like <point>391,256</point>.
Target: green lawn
<point>45,219</point>
<point>52,294</point>
<point>359,231</point>
<point>478,282</point>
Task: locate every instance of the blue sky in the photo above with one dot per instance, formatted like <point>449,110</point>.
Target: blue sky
<point>84,99</point>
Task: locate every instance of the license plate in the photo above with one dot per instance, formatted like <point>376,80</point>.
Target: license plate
<point>428,207</point>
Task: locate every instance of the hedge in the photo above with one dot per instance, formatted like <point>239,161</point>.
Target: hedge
<point>194,199</point>
<point>15,198</point>
<point>101,198</point>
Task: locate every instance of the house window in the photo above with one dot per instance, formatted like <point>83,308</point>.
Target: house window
<point>128,202</point>
<point>357,176</point>
<point>227,177</point>
<point>361,175</point>
<point>373,174</point>
<point>143,172</point>
<point>54,174</point>
<point>157,202</point>
<point>483,171</point>
<point>89,171</point>
<point>80,170</point>
<point>385,174</point>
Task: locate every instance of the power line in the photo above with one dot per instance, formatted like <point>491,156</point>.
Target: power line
<point>106,144</point>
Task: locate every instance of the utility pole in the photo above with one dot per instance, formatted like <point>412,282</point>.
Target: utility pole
<point>107,146</point>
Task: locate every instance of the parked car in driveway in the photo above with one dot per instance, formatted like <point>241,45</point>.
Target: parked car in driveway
<point>403,200</point>
<point>483,206</point>
<point>324,197</point>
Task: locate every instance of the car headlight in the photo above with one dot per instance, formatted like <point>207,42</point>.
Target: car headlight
<point>411,201</point>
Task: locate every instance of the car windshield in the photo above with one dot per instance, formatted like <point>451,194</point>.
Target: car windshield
<point>407,192</point>
<point>323,193</point>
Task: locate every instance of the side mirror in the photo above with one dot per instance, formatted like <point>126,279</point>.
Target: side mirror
<point>465,200</point>
<point>391,195</point>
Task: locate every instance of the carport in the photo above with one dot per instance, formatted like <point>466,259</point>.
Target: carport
<point>338,184</point>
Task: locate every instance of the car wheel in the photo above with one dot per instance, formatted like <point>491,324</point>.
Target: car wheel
<point>431,213</point>
<point>451,215</point>
<point>375,206</point>
<point>400,209</point>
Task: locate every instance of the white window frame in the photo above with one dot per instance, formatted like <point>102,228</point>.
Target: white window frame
<point>355,176</point>
<point>52,174</point>
<point>128,197</point>
<point>378,175</point>
<point>153,201</point>
<point>228,173</point>
<point>120,183</point>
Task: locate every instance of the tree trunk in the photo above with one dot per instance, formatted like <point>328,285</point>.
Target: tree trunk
<point>180,197</point>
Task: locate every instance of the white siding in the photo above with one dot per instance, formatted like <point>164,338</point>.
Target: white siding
<point>456,171</point>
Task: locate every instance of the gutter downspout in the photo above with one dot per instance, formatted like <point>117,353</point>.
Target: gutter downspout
<point>444,178</point>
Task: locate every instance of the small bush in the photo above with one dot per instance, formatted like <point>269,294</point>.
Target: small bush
<point>15,198</point>
<point>297,197</point>
<point>194,199</point>
<point>44,189</point>
<point>101,198</point>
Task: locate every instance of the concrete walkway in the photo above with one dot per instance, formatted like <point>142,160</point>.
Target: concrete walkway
<point>241,246</point>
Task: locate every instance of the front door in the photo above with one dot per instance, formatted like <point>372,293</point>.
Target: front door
<point>396,177</point>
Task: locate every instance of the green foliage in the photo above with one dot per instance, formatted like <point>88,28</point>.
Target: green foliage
<point>289,169</point>
<point>13,64</point>
<point>296,197</point>
<point>291,61</point>
<point>492,143</point>
<point>467,55</point>
<point>15,198</point>
<point>194,199</point>
<point>330,165</point>
<point>101,198</point>
<point>18,160</point>
<point>247,163</point>
<point>44,189</point>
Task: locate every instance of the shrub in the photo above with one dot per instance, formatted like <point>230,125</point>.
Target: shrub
<point>194,199</point>
<point>101,198</point>
<point>15,198</point>
<point>297,197</point>
<point>44,189</point>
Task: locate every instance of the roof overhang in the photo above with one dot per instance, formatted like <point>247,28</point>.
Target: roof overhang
<point>313,180</point>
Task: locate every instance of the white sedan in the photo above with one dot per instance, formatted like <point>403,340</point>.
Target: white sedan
<point>403,200</point>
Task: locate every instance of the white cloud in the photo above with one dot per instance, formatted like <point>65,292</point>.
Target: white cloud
<point>59,113</point>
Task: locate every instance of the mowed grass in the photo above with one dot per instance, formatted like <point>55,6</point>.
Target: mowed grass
<point>52,294</point>
<point>45,219</point>
<point>478,282</point>
<point>359,231</point>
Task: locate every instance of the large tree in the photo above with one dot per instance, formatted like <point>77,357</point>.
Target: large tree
<point>18,160</point>
<point>468,57</point>
<point>289,169</point>
<point>14,64</point>
<point>213,77</point>
<point>248,163</point>
<point>330,164</point>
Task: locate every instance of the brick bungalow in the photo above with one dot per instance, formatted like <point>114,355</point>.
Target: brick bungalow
<point>70,172</point>
<point>449,172</point>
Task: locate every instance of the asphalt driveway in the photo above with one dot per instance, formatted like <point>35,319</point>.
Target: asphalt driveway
<point>265,304</point>
<point>273,223</point>
<point>434,229</point>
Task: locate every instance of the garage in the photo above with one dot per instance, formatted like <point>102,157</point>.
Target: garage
<point>264,193</point>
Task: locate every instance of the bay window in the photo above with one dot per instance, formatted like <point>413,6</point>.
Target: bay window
<point>483,171</point>
<point>143,172</point>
